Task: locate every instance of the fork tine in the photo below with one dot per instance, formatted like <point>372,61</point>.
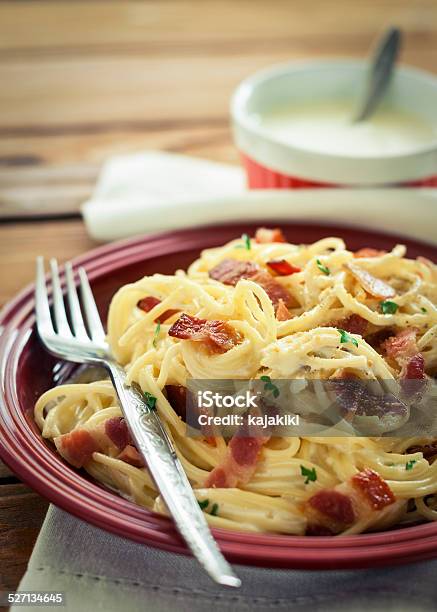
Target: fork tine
<point>60,315</point>
<point>43,317</point>
<point>77,324</point>
<point>91,313</point>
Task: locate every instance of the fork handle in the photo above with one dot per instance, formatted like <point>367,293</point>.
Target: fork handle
<point>158,452</point>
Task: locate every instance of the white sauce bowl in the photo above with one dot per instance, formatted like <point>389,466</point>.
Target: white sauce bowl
<point>288,159</point>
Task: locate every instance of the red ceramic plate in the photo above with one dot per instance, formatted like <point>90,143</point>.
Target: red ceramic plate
<point>27,370</point>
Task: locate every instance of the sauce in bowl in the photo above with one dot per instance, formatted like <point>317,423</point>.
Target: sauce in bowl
<point>327,127</point>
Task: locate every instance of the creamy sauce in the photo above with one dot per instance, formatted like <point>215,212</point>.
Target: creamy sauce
<point>326,127</point>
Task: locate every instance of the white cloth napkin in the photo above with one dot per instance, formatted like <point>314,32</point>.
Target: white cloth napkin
<point>100,571</point>
<point>153,191</point>
<point>150,191</point>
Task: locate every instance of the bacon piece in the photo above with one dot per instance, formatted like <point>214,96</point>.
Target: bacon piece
<point>149,302</point>
<point>403,349</point>
<point>377,339</point>
<point>345,374</point>
<point>348,391</point>
<point>373,285</point>
<point>264,235</point>
<point>218,478</point>
<point>357,499</point>
<point>230,271</point>
<point>177,397</point>
<point>414,368</point>
<point>240,461</point>
<point>274,290</point>
<point>402,346</point>
<point>354,397</point>
<point>117,431</point>
<point>77,447</point>
<point>130,455</point>
<point>218,336</point>
<point>335,506</point>
<point>239,465</point>
<point>374,488</point>
<point>369,252</point>
<point>353,324</point>
<point>282,312</point>
<point>282,267</point>
<point>413,375</point>
<point>245,450</point>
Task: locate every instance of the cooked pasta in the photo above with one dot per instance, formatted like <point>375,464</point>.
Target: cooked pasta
<point>264,307</point>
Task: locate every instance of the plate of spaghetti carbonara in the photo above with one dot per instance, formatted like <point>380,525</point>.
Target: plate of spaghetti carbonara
<point>255,307</point>
<point>266,305</point>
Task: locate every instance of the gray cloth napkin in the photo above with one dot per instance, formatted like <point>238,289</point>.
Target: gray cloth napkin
<point>100,571</point>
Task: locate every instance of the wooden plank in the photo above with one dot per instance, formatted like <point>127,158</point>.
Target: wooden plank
<point>93,148</point>
<point>45,190</point>
<point>21,515</point>
<point>174,25</point>
<point>5,472</point>
<point>33,200</point>
<point>82,93</point>
<point>23,242</point>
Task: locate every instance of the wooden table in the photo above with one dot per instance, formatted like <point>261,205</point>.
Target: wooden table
<point>81,81</point>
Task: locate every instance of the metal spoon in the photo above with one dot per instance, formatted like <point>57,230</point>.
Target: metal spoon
<point>381,70</point>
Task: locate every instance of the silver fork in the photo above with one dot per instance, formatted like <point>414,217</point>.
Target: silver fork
<point>85,342</point>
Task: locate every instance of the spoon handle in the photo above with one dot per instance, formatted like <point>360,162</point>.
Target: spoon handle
<point>381,71</point>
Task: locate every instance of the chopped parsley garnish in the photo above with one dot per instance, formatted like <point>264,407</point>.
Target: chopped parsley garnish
<point>424,309</point>
<point>157,330</point>
<point>410,464</point>
<point>345,338</point>
<point>309,474</point>
<point>269,386</point>
<point>214,509</point>
<point>203,504</point>
<point>388,307</point>
<point>150,400</point>
<point>323,268</point>
<point>247,244</point>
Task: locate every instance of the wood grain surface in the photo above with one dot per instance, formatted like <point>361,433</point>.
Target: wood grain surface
<point>81,81</point>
